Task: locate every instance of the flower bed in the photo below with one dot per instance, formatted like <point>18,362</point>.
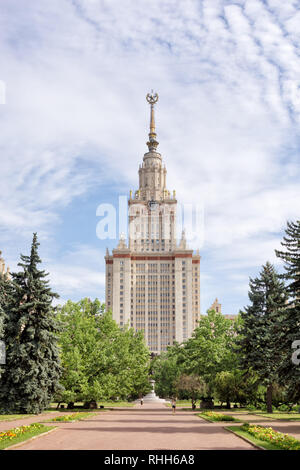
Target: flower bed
<point>72,417</point>
<point>15,435</point>
<point>213,416</point>
<point>279,439</point>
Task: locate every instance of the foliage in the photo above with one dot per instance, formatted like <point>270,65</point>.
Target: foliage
<point>290,325</point>
<point>191,386</point>
<point>72,417</point>
<point>100,360</point>
<point>166,370</point>
<point>210,349</point>
<point>215,417</point>
<point>229,386</point>
<point>5,297</point>
<point>259,340</point>
<point>32,369</point>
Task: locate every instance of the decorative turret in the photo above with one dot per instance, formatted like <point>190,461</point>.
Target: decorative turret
<point>182,243</point>
<point>122,242</point>
<point>2,267</point>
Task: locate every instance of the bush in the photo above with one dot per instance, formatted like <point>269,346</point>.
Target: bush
<point>262,407</point>
<point>251,407</point>
<point>218,416</point>
<point>283,408</point>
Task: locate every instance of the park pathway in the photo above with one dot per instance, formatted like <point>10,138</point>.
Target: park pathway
<point>14,423</point>
<point>285,426</point>
<point>147,427</point>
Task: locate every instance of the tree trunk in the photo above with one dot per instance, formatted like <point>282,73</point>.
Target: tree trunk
<point>228,404</point>
<point>269,398</point>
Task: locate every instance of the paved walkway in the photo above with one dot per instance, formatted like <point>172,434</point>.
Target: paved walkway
<point>287,427</point>
<point>147,427</point>
<point>15,423</point>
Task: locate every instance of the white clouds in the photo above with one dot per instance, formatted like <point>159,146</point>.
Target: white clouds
<point>77,73</point>
<point>78,273</point>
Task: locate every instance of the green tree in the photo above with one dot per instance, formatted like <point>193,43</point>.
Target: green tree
<point>32,371</point>
<point>290,326</point>
<point>4,300</point>
<point>100,360</point>
<point>134,363</point>
<point>191,386</point>
<point>78,341</point>
<point>235,386</point>
<point>259,342</point>
<point>166,370</point>
<point>210,349</point>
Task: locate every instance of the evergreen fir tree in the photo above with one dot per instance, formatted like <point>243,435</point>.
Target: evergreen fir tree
<point>260,342</point>
<point>2,320</point>
<point>32,369</point>
<point>2,306</point>
<point>289,372</point>
<point>5,295</point>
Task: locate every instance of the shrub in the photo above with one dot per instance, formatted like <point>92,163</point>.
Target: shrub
<point>218,416</point>
<point>251,407</point>
<point>283,408</point>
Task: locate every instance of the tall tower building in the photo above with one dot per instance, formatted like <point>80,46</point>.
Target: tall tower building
<point>3,272</point>
<point>153,283</point>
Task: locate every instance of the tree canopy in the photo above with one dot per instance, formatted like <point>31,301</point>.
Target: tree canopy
<point>32,370</point>
<point>100,360</point>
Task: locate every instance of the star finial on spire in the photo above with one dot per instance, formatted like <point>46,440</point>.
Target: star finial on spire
<point>152,98</point>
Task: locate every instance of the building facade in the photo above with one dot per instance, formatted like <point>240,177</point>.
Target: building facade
<point>3,271</point>
<point>216,306</point>
<point>153,282</point>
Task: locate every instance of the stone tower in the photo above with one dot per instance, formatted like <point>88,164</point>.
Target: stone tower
<point>3,271</point>
<point>216,306</point>
<point>152,283</point>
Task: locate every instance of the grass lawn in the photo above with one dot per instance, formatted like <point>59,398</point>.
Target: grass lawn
<point>70,418</point>
<point>106,404</point>
<point>264,444</point>
<point>112,404</point>
<point>17,435</point>
<point>184,402</point>
<point>292,416</point>
<point>215,417</point>
<point>14,417</point>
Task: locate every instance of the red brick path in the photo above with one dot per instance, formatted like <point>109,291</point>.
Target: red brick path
<point>147,427</point>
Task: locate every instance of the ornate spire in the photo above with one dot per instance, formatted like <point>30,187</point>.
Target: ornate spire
<point>152,144</point>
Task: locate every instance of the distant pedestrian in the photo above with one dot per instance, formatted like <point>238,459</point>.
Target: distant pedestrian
<point>173,405</point>
<point>142,401</point>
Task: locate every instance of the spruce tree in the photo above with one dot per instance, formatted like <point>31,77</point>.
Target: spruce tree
<point>2,319</point>
<point>5,295</point>
<point>260,340</point>
<point>290,332</point>
<point>32,368</point>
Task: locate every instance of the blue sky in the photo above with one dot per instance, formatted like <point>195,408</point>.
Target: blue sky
<point>75,121</point>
